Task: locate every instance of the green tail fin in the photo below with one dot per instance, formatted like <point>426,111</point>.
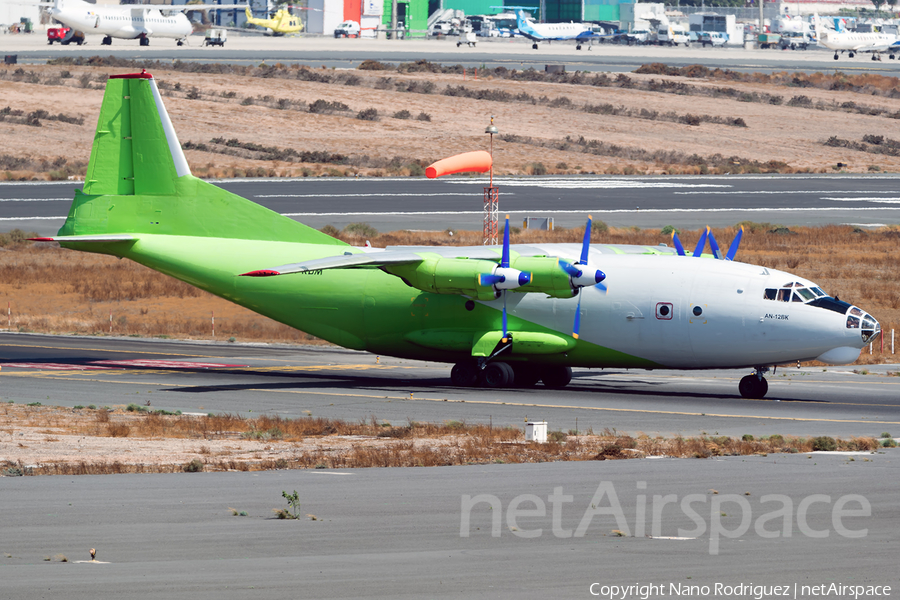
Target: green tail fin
<point>138,180</point>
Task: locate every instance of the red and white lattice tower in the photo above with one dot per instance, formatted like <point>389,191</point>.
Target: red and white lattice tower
<point>491,198</point>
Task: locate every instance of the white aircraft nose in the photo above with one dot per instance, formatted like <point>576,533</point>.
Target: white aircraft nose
<point>839,356</point>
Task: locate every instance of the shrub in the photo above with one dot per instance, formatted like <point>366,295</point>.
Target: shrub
<point>824,444</point>
<point>331,230</point>
<point>195,466</point>
<point>368,114</point>
<point>361,229</point>
<point>423,116</point>
<point>402,114</point>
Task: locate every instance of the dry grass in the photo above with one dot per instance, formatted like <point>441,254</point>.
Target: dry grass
<point>57,291</point>
<point>306,443</point>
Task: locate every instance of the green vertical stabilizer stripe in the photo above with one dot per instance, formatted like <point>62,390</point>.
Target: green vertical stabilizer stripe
<point>154,171</point>
<point>111,168</point>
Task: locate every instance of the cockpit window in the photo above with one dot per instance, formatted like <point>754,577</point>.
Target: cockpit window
<point>856,311</point>
<point>794,292</point>
<point>852,323</point>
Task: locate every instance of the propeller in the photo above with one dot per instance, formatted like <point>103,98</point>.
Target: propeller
<point>583,274</point>
<point>714,246</point>
<point>504,278</point>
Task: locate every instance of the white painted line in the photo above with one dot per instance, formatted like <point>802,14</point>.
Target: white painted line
<point>387,195</point>
<point>67,199</point>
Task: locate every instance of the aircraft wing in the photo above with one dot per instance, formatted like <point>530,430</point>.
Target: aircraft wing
<point>344,261</point>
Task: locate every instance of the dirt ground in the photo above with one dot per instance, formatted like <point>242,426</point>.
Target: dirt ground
<point>794,135</point>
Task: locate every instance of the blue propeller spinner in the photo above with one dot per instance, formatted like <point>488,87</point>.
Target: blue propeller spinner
<point>701,244</point>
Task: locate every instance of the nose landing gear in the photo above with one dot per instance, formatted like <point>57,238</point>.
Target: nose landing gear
<point>754,386</point>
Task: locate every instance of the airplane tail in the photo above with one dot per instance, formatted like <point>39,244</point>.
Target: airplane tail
<point>139,182</point>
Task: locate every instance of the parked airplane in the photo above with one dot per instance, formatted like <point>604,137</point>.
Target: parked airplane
<point>852,42</point>
<point>553,32</point>
<point>131,21</point>
<point>281,23</point>
<point>508,315</point>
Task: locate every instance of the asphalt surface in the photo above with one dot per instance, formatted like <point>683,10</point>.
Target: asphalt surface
<point>510,53</point>
<point>413,533</point>
<point>335,383</point>
<point>389,204</point>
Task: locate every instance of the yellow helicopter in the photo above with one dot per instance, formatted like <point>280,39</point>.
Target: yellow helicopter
<point>281,23</point>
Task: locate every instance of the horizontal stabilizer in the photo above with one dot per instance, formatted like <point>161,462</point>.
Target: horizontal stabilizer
<point>344,261</point>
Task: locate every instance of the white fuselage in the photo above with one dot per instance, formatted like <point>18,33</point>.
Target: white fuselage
<point>120,21</point>
<point>857,42</point>
<point>650,311</point>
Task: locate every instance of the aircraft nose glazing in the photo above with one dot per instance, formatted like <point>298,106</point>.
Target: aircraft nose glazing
<point>869,328</point>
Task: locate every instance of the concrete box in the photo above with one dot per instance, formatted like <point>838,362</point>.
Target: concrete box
<point>536,431</point>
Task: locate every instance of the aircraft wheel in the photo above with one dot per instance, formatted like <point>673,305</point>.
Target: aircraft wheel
<point>497,375</point>
<point>578,46</point>
<point>145,41</point>
<point>891,56</point>
<point>534,47</point>
<point>556,377</point>
<point>851,54</point>
<point>753,387</point>
<point>464,374</point>
<point>107,41</point>
<point>527,375</point>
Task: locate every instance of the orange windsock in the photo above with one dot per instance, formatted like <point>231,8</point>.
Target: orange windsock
<point>479,161</point>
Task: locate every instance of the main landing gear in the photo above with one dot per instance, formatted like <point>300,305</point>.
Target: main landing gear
<point>754,386</point>
<point>498,374</point>
<point>106,41</point>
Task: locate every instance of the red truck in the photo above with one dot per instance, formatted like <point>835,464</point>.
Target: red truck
<point>64,35</point>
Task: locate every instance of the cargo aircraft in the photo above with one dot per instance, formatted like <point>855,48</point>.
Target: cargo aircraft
<point>507,315</point>
<point>131,21</point>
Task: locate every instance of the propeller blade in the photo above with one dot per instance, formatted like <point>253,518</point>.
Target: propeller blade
<point>586,245</point>
<point>505,331</point>
<point>713,245</point>
<point>732,250</point>
<point>487,279</point>
<point>577,326</point>
<point>602,286</point>
<point>701,244</point>
<point>504,261</point>
<point>570,269</point>
<point>678,247</point>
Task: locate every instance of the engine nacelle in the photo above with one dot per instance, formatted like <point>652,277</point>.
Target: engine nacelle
<point>459,276</point>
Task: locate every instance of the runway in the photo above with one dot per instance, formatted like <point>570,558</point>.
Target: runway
<point>389,204</point>
<point>510,53</point>
<point>336,383</point>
